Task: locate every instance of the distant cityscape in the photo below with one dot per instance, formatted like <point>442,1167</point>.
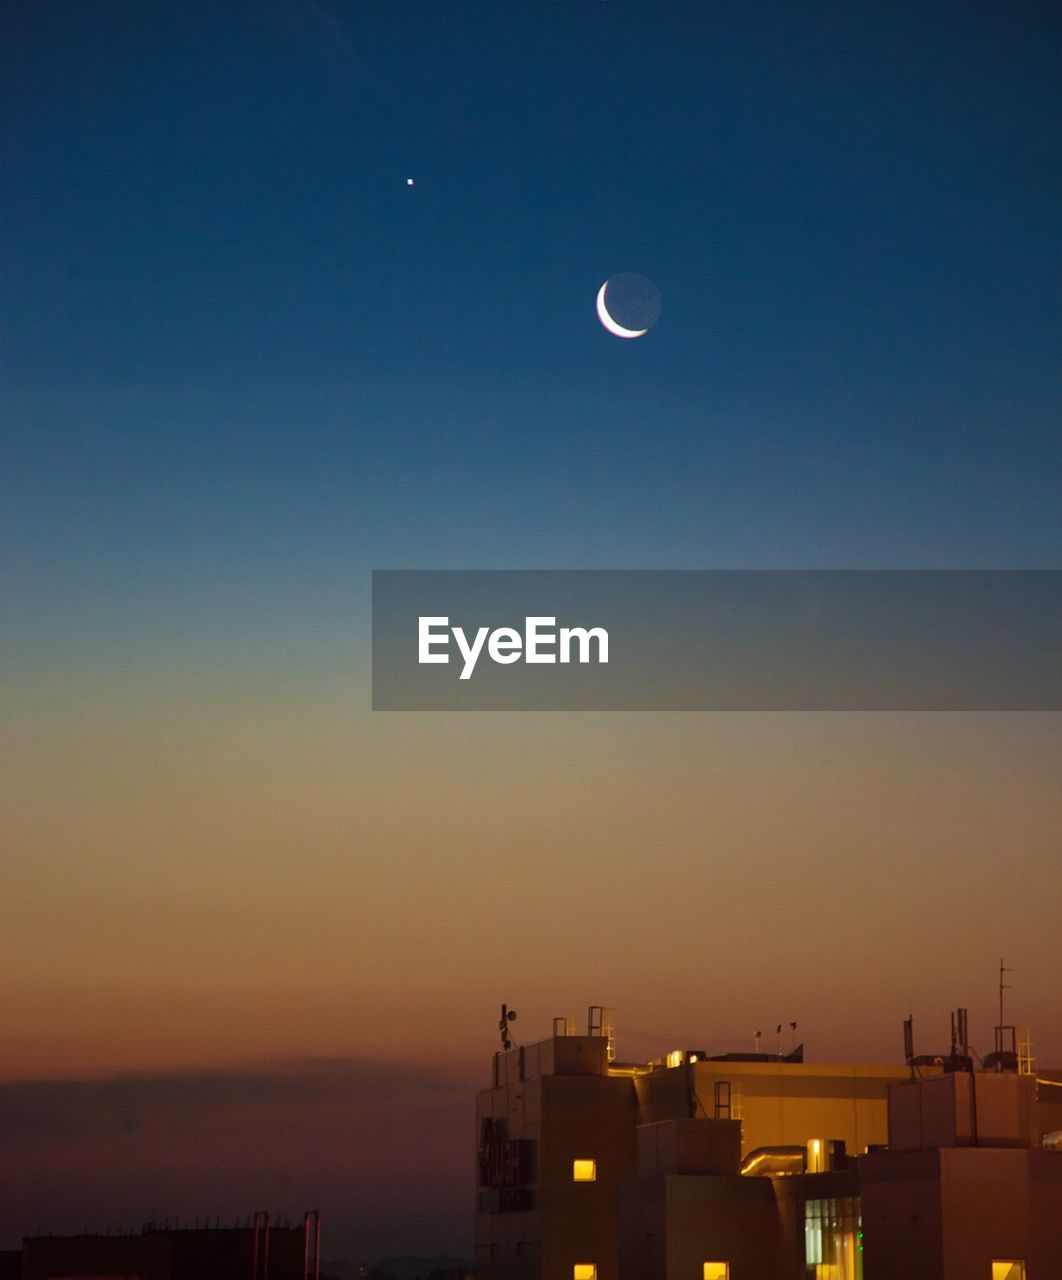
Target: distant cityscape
<point>707,1166</point>
<point>259,1248</point>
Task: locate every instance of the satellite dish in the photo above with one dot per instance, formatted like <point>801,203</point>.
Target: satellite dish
<point>507,1015</point>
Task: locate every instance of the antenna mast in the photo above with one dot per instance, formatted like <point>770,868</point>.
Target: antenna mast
<point>1003,1028</point>
<point>507,1015</point>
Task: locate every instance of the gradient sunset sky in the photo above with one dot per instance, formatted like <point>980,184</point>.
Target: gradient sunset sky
<point>245,363</point>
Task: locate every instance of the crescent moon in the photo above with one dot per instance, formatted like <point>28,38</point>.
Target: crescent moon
<point>609,323</point>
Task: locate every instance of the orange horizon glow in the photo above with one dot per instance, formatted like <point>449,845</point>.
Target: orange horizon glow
<point>190,890</point>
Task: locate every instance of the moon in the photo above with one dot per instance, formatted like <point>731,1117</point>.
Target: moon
<point>609,323</point>
<point>628,305</point>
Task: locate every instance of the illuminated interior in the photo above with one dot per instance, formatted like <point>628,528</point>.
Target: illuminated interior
<point>1008,1269</point>
<point>584,1170</point>
<point>716,1271</point>
<point>584,1271</point>
<point>833,1239</point>
<point>674,1058</point>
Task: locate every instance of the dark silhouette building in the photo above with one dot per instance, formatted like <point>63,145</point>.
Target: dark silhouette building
<point>261,1250</point>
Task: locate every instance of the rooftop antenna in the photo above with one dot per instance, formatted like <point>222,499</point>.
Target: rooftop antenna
<point>1003,1028</point>
<point>507,1015</point>
<point>792,1034</point>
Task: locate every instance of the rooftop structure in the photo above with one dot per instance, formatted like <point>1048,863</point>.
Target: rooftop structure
<point>259,1250</point>
<point>762,1167</point>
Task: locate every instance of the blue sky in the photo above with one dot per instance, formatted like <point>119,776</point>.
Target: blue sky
<point>235,338</point>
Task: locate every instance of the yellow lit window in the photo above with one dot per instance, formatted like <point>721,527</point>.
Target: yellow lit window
<point>675,1058</point>
<point>717,1271</point>
<point>1008,1269</point>
<point>584,1170</point>
<point>584,1271</point>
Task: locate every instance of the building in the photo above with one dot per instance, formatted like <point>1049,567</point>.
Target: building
<point>556,1139</point>
<point>761,1167</point>
<point>259,1250</point>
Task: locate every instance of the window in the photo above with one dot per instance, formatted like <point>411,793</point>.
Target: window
<point>833,1239</point>
<point>722,1100</point>
<point>584,1271</point>
<point>717,1271</point>
<point>584,1170</point>
<point>1008,1269</point>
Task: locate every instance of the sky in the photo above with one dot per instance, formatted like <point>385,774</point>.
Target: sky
<point>245,363</point>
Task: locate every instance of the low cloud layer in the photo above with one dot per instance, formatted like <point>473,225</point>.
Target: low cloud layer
<point>384,1152</point>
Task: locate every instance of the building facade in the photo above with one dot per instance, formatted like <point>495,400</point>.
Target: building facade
<point>761,1167</point>
<point>260,1250</point>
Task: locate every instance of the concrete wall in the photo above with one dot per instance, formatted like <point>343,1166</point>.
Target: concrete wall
<point>672,1224</point>
<point>559,1055</point>
<point>985,1204</point>
<point>1045,1212</point>
<point>585,1118</point>
<point>508,1243</point>
<point>963,1109</point>
<point>722,1220</point>
<point>1049,1102</point>
<point>902,1216</point>
<point>947,1214</point>
<point>791,1103</point>
<point>577,1112</point>
<point>689,1146</point>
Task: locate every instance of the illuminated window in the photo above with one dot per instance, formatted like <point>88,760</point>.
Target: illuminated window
<point>1008,1269</point>
<point>584,1271</point>
<point>584,1170</point>
<point>833,1238</point>
<point>675,1058</point>
<point>717,1271</point>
